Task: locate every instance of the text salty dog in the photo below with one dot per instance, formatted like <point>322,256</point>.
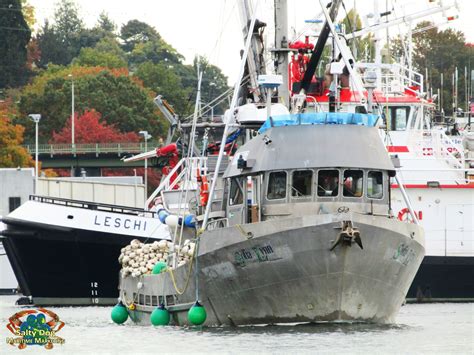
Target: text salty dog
<point>119,222</point>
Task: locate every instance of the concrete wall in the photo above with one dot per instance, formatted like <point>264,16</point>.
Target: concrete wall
<point>132,195</point>
<point>15,183</point>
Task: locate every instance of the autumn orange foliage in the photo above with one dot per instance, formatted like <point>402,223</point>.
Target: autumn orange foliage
<point>89,128</point>
<point>12,154</point>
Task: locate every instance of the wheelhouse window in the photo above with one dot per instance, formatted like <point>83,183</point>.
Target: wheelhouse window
<point>236,195</point>
<point>399,118</point>
<point>276,185</point>
<point>375,184</point>
<point>353,183</point>
<point>301,183</point>
<point>328,182</point>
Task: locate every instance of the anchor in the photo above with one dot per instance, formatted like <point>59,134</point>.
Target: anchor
<point>347,236</point>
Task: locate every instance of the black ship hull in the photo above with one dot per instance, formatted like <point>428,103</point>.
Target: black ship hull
<point>443,279</point>
<point>65,267</point>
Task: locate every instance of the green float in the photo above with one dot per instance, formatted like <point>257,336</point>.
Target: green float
<point>197,314</point>
<point>159,267</point>
<point>119,313</point>
<point>160,316</point>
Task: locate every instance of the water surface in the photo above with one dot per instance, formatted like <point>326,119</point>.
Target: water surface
<point>443,328</point>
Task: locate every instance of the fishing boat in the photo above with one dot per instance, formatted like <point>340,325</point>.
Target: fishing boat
<point>297,228</point>
<point>434,164</point>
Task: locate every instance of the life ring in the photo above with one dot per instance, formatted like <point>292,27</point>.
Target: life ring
<point>404,215</point>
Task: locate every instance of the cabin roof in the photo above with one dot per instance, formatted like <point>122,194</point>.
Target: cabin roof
<point>312,146</point>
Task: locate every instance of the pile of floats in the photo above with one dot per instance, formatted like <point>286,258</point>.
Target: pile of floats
<point>139,259</point>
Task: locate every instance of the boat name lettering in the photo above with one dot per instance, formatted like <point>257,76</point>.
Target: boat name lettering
<point>404,254</point>
<point>118,222</point>
<point>255,254</point>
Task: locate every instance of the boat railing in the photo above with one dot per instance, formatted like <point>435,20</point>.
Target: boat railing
<point>180,172</point>
<point>218,223</point>
<point>92,205</point>
<point>395,78</point>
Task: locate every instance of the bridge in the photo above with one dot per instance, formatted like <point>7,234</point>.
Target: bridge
<point>88,155</point>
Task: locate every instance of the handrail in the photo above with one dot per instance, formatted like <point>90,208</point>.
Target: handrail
<point>404,75</point>
<point>90,205</point>
<point>88,148</point>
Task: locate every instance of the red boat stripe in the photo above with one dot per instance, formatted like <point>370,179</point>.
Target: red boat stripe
<point>424,186</point>
<point>397,149</point>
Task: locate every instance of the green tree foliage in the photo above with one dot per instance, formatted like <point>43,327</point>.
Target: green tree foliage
<point>106,24</point>
<point>363,49</point>
<point>63,40</point>
<point>120,99</point>
<point>135,32</point>
<point>67,20</point>
<point>440,52</point>
<point>214,82</point>
<point>93,57</point>
<point>154,51</point>
<point>111,45</point>
<point>60,43</point>
<point>49,46</point>
<point>14,38</point>
<point>162,80</point>
<point>144,44</point>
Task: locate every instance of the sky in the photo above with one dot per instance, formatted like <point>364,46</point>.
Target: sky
<point>212,27</point>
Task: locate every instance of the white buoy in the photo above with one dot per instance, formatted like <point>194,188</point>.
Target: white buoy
<point>172,220</point>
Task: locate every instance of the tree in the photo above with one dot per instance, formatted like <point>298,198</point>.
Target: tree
<point>12,154</point>
<point>61,42</point>
<point>363,48</point>
<point>14,38</point>
<point>111,45</point>
<point>135,32</point>
<point>90,128</point>
<point>93,57</point>
<point>155,51</point>
<point>162,80</point>
<point>67,21</point>
<point>213,84</point>
<point>106,24</point>
<point>440,52</point>
<point>122,100</point>
<point>49,46</point>
<point>28,13</point>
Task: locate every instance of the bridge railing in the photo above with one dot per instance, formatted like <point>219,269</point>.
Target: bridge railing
<point>90,148</point>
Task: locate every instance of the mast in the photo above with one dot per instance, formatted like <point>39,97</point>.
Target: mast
<point>255,64</point>
<point>281,48</point>
<point>233,105</point>
<point>318,48</point>
<point>377,45</point>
